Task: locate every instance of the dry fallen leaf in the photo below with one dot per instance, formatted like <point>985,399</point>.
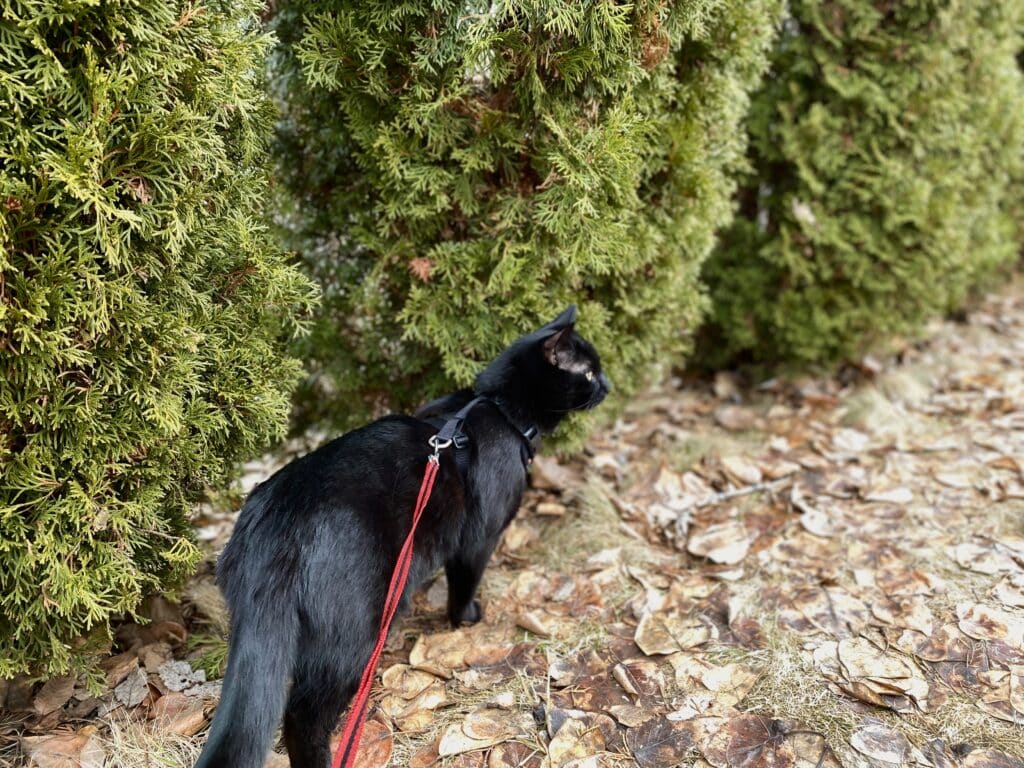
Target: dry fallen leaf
<point>486,724</point>
<point>481,728</point>
<point>1016,685</point>
<point>630,715</point>
<point>872,674</point>
<point>659,633</point>
<point>425,757</point>
<point>849,441</point>
<point>962,478</point>
<point>861,658</point>
<point>741,470</point>
<point>660,742</point>
<point>1010,591</point>
<point>818,522</point>
<point>440,653</point>
<point>422,267</point>
<point>454,742</point>
<point>518,535</point>
<point>907,612</point>
<point>548,474</point>
<point>880,742</point>
<point>730,682</point>
<point>415,713</point>
<point>65,749</point>
<point>895,495</point>
<point>985,623</point>
<point>54,694</point>
<point>726,685</point>
<point>406,682</point>
<point>982,557</point>
<point>514,754</point>
<point>811,750</point>
<point>575,740</point>
<point>726,543</point>
<point>177,714</point>
<point>750,741</point>
<point>735,418</point>
<point>116,668</point>
<point>829,610</point>
<point>375,746</point>
<point>139,189</point>
<point>533,621</point>
<point>133,689</point>
<point>991,758</point>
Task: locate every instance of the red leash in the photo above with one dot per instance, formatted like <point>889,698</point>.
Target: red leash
<point>345,756</point>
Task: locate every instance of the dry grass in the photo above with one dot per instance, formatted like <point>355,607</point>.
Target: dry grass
<point>868,409</point>
<point>700,444</point>
<point>790,686</point>
<point>130,744</point>
<point>205,598</point>
<point>591,526</point>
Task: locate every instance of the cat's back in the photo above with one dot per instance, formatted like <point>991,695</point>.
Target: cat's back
<point>348,464</point>
<point>358,469</point>
<point>338,487</point>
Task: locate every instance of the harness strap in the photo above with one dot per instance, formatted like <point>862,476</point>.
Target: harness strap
<point>529,436</point>
<point>451,429</point>
<point>449,433</point>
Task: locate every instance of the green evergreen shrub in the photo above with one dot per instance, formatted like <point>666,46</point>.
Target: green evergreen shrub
<point>883,147</point>
<point>458,172</point>
<point>144,310</point>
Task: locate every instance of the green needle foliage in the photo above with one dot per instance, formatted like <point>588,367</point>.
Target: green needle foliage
<point>144,311</point>
<point>883,152</point>
<point>457,173</point>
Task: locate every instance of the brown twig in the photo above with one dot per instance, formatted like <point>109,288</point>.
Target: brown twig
<point>682,519</point>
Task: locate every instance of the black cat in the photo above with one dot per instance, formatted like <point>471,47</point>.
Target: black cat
<point>307,568</point>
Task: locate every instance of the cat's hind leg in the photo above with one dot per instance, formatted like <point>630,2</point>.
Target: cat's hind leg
<point>320,691</point>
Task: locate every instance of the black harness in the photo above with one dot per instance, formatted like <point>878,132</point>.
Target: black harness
<point>451,433</point>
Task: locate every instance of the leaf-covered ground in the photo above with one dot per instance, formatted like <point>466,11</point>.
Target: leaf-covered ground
<point>821,573</point>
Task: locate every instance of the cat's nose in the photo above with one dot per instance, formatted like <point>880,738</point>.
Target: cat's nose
<point>605,382</point>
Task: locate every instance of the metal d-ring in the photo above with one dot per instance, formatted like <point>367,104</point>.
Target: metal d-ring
<point>438,446</point>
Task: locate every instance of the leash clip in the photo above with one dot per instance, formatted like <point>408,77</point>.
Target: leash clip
<point>438,445</point>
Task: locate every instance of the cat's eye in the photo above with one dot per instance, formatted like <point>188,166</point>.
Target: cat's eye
<point>589,375</point>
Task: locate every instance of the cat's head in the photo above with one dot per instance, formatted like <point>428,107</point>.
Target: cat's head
<point>548,373</point>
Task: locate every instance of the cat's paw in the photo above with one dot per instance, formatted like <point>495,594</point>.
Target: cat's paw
<point>471,614</point>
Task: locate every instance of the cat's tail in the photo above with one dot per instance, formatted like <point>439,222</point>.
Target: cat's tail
<point>252,700</point>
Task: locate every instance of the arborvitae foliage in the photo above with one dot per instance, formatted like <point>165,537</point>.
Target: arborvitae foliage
<point>883,148</point>
<point>459,172</point>
<point>144,311</point>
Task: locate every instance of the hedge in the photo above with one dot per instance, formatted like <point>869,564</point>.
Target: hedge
<point>145,310</point>
<point>883,152</point>
<point>453,174</point>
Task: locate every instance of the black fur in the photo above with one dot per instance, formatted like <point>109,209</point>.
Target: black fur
<point>307,567</point>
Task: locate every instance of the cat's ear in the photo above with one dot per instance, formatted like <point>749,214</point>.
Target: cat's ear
<point>558,347</point>
<point>566,319</point>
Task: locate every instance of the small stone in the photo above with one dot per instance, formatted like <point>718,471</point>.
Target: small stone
<point>179,675</point>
